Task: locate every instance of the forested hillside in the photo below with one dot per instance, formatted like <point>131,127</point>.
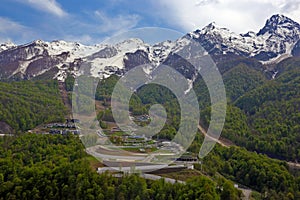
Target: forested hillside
<point>265,118</point>
<point>57,167</point>
<point>26,104</point>
<point>272,178</point>
<point>262,116</point>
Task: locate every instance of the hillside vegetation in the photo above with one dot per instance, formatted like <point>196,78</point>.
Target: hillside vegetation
<point>57,167</point>
<point>27,104</point>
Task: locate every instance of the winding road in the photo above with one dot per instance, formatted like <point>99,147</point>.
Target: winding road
<point>246,192</point>
<point>227,145</point>
<point>222,143</point>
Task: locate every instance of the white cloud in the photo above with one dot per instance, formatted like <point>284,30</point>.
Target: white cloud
<point>10,30</point>
<point>115,24</point>
<point>239,16</point>
<point>100,27</point>
<point>83,39</point>
<point>7,26</point>
<point>49,6</point>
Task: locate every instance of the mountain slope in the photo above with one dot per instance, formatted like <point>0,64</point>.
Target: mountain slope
<point>277,40</point>
<point>27,104</point>
<point>262,115</point>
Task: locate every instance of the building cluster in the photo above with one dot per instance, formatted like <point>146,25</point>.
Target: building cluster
<point>64,128</point>
<point>64,131</point>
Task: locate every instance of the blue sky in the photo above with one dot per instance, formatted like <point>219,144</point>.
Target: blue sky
<point>91,21</point>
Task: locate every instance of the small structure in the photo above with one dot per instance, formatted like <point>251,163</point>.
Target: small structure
<point>72,120</point>
<point>187,158</point>
<point>115,129</point>
<point>142,118</point>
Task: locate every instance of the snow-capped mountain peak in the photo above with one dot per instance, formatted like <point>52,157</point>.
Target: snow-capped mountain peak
<point>210,26</point>
<point>276,23</point>
<point>249,34</point>
<point>277,40</point>
<point>7,45</point>
<point>131,45</point>
<point>213,27</point>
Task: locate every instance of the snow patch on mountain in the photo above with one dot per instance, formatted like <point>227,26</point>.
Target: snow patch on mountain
<point>75,49</point>
<point>276,38</point>
<point>6,46</point>
<point>273,43</point>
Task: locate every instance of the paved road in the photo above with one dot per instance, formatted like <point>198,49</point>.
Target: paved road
<point>2,135</point>
<point>141,168</point>
<point>156,177</point>
<point>224,144</point>
<point>202,130</point>
<point>246,192</point>
<point>116,156</point>
<point>144,168</point>
<point>294,165</point>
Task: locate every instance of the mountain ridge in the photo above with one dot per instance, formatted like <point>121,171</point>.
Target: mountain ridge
<point>277,40</point>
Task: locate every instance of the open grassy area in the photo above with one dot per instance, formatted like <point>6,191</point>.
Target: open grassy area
<point>94,162</point>
<point>140,149</point>
<point>182,175</point>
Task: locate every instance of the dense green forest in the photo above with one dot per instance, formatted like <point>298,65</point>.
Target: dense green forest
<point>140,103</point>
<point>57,167</point>
<point>262,117</point>
<point>26,104</point>
<point>270,177</point>
<point>262,114</point>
